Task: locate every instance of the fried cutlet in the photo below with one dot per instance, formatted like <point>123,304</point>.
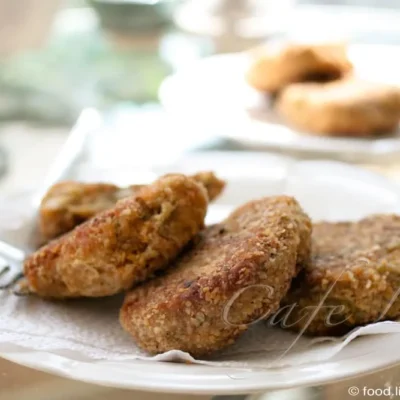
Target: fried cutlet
<point>354,276</point>
<point>277,65</point>
<point>211,182</point>
<point>123,245</point>
<point>349,107</point>
<point>235,273</point>
<point>68,204</point>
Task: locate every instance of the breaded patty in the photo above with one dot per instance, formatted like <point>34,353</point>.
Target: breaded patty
<point>356,265</point>
<point>123,245</point>
<point>68,204</point>
<point>277,65</point>
<point>348,107</point>
<point>235,273</point>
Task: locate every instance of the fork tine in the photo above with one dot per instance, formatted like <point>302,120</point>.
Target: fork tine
<point>12,282</point>
<point>4,270</point>
<point>10,255</point>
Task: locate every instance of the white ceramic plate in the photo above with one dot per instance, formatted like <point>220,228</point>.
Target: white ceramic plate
<point>328,190</point>
<point>212,95</point>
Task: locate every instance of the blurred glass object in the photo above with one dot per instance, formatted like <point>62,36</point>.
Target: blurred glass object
<point>119,52</point>
<point>134,16</point>
<point>234,25</point>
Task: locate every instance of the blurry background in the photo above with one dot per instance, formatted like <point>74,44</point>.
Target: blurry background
<point>60,56</point>
<point>57,57</point>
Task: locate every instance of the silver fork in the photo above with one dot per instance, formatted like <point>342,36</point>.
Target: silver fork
<point>11,257</point>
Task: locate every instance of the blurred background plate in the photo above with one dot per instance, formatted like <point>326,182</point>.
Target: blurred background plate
<point>211,95</point>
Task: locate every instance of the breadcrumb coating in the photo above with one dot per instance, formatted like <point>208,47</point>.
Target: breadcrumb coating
<point>121,246</point>
<point>68,204</point>
<point>356,266</point>
<point>235,273</point>
<point>348,107</point>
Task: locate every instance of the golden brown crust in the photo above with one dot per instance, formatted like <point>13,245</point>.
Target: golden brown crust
<point>358,266</point>
<point>211,182</point>
<point>275,66</point>
<point>189,307</point>
<point>347,107</point>
<point>68,204</point>
<point>123,245</point>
